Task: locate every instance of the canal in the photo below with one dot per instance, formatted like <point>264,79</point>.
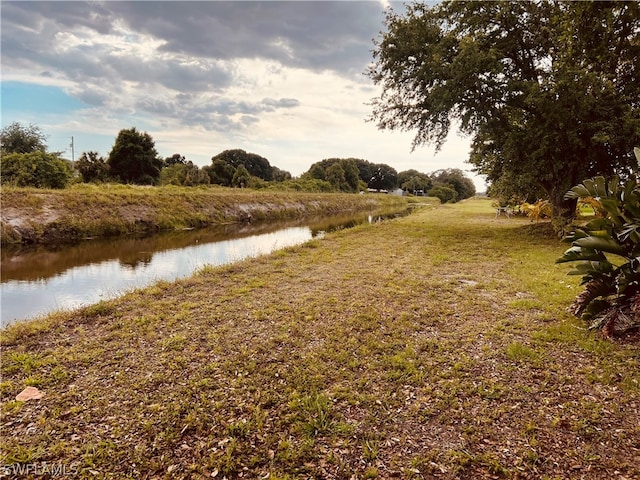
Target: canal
<point>36,281</point>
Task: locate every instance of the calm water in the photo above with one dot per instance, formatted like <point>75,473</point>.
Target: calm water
<point>37,281</point>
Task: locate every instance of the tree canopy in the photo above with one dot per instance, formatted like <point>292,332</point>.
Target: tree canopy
<point>414,181</point>
<point>178,171</point>
<point>134,159</point>
<point>454,178</point>
<point>549,91</point>
<point>342,173</point>
<point>225,164</point>
<point>92,167</point>
<point>384,177</point>
<point>352,174</point>
<point>255,164</point>
<point>25,162</point>
<point>18,138</point>
<point>241,177</point>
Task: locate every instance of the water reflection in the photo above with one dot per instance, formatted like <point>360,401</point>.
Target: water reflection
<point>39,280</point>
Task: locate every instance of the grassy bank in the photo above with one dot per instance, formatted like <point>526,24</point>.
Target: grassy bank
<point>432,346</point>
<point>42,216</point>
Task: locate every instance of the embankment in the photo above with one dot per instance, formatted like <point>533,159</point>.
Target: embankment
<point>49,216</point>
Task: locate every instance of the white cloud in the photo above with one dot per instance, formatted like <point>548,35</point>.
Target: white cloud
<point>282,79</point>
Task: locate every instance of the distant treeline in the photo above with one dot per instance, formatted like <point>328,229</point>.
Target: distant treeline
<point>134,160</point>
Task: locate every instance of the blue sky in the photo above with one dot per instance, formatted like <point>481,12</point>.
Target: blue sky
<point>23,98</point>
<point>285,80</point>
<point>43,104</point>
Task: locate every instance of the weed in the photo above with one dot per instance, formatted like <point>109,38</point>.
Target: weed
<point>519,352</point>
<point>314,414</point>
<point>493,464</point>
<point>405,367</point>
<point>23,362</point>
<point>12,407</point>
<point>370,472</point>
<point>100,309</point>
<point>176,342</point>
<point>18,453</point>
<point>370,449</point>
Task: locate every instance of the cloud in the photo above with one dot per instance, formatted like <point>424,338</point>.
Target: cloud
<point>177,59</point>
<point>282,79</point>
<point>318,35</point>
<point>272,104</point>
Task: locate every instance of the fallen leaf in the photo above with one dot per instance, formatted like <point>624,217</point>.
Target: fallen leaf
<point>29,393</point>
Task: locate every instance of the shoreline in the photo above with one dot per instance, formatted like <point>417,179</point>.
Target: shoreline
<point>59,216</point>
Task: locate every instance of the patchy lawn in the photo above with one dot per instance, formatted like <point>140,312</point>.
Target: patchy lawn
<point>432,346</point>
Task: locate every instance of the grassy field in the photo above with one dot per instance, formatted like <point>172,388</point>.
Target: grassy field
<point>31,215</point>
<point>433,346</point>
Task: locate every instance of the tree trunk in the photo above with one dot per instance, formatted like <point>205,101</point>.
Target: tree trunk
<point>564,211</point>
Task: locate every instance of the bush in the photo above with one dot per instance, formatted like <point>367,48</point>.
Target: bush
<point>36,169</point>
<point>313,185</point>
<point>18,138</point>
<point>444,193</point>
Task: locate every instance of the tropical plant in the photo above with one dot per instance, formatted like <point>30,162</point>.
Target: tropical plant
<point>538,210</point>
<point>611,299</point>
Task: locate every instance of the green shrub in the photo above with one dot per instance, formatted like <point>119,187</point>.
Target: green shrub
<point>36,169</point>
<point>444,193</point>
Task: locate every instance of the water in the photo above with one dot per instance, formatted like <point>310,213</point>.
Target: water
<point>38,281</point>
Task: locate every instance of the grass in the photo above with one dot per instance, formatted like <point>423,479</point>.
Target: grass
<point>432,346</point>
<point>40,216</point>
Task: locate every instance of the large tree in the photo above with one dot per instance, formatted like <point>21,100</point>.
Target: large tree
<point>342,173</point>
<point>455,178</point>
<point>220,172</point>
<point>92,167</point>
<point>255,164</point>
<point>414,181</point>
<point>549,91</point>
<point>18,138</point>
<point>384,177</point>
<point>134,159</point>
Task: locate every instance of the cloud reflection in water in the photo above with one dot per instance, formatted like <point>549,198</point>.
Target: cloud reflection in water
<point>87,284</point>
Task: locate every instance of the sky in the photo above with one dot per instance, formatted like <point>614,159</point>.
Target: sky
<point>284,80</point>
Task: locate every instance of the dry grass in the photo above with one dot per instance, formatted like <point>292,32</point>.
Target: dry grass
<point>432,346</point>
<point>44,216</point>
